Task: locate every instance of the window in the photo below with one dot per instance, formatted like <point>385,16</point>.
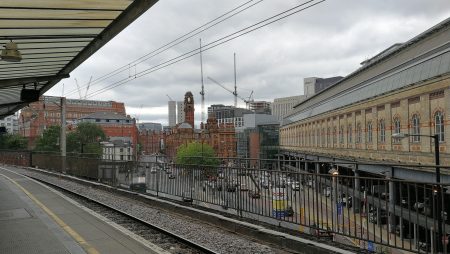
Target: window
<point>415,125</point>
<point>397,127</point>
<point>349,134</point>
<point>439,125</point>
<point>341,135</point>
<point>382,131</point>
<point>369,132</point>
<point>334,135</point>
<point>328,135</point>
<point>358,133</point>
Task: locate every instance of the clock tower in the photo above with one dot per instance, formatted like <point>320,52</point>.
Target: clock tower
<point>189,108</point>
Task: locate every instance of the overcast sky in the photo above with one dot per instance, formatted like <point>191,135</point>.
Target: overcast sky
<point>329,39</point>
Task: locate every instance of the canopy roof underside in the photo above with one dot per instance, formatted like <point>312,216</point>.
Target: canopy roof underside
<point>54,37</point>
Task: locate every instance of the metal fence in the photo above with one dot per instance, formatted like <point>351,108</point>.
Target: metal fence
<point>373,213</point>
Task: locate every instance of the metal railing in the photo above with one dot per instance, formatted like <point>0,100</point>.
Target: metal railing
<point>372,213</point>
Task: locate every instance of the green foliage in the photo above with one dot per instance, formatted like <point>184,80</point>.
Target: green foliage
<point>85,139</point>
<point>196,154</point>
<point>90,133</point>
<point>13,142</point>
<point>49,141</point>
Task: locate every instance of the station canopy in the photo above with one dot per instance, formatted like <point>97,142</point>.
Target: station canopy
<point>53,38</point>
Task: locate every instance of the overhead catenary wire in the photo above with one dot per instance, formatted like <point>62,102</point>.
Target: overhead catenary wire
<point>215,43</point>
<point>229,14</point>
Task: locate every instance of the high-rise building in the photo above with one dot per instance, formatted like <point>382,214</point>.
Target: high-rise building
<point>260,107</point>
<point>10,123</point>
<point>180,112</point>
<point>228,114</point>
<point>172,113</point>
<point>157,127</point>
<point>315,85</point>
<point>283,106</point>
<point>189,108</point>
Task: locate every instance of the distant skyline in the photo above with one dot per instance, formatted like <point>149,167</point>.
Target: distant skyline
<point>330,39</point>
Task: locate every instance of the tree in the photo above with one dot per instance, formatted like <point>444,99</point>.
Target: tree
<point>196,154</point>
<point>86,139</point>
<point>49,141</point>
<point>13,142</point>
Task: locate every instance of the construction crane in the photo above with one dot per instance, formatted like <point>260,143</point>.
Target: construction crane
<point>87,88</point>
<point>78,88</point>
<point>170,98</point>
<point>233,93</point>
<point>139,114</point>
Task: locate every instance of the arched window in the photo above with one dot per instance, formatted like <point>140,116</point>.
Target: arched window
<point>323,136</point>
<point>439,125</point>
<point>369,132</point>
<point>397,127</point>
<point>334,135</point>
<point>329,136</point>
<point>358,133</point>
<point>382,131</point>
<point>415,125</point>
<point>349,134</point>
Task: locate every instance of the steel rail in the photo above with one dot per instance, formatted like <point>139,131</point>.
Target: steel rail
<point>162,230</point>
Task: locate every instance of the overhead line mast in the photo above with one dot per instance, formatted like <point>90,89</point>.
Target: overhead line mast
<point>202,93</point>
<point>235,86</point>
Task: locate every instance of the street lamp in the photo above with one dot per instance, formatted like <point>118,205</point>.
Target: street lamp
<point>438,178</point>
<point>334,172</point>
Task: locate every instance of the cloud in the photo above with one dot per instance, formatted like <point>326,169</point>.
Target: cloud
<point>329,39</point>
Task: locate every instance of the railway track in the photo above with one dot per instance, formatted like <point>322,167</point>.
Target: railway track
<point>166,240</point>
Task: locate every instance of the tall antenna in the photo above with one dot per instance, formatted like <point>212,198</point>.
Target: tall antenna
<point>235,86</point>
<point>202,93</point>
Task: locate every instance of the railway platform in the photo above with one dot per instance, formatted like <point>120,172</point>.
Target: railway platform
<point>36,219</point>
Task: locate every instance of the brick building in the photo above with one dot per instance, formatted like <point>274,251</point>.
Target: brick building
<point>35,118</point>
<point>221,137</point>
<point>116,126</point>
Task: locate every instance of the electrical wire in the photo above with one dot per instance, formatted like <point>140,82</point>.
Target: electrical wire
<point>172,43</point>
<point>220,41</point>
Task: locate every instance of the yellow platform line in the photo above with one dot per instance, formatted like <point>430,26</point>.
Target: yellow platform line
<point>77,237</point>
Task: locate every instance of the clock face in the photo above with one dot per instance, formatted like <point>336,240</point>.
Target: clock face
<point>189,99</point>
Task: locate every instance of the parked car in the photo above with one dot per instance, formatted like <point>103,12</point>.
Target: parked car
<point>423,207</point>
<point>265,185</point>
<point>243,187</point>
<point>289,211</point>
<point>187,196</point>
<point>231,188</point>
<point>346,201</point>
<point>296,186</point>
<point>254,194</point>
<point>171,176</point>
<point>322,230</point>
<point>153,170</point>
<point>373,217</point>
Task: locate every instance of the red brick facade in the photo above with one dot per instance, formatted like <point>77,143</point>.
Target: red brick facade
<point>35,118</point>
